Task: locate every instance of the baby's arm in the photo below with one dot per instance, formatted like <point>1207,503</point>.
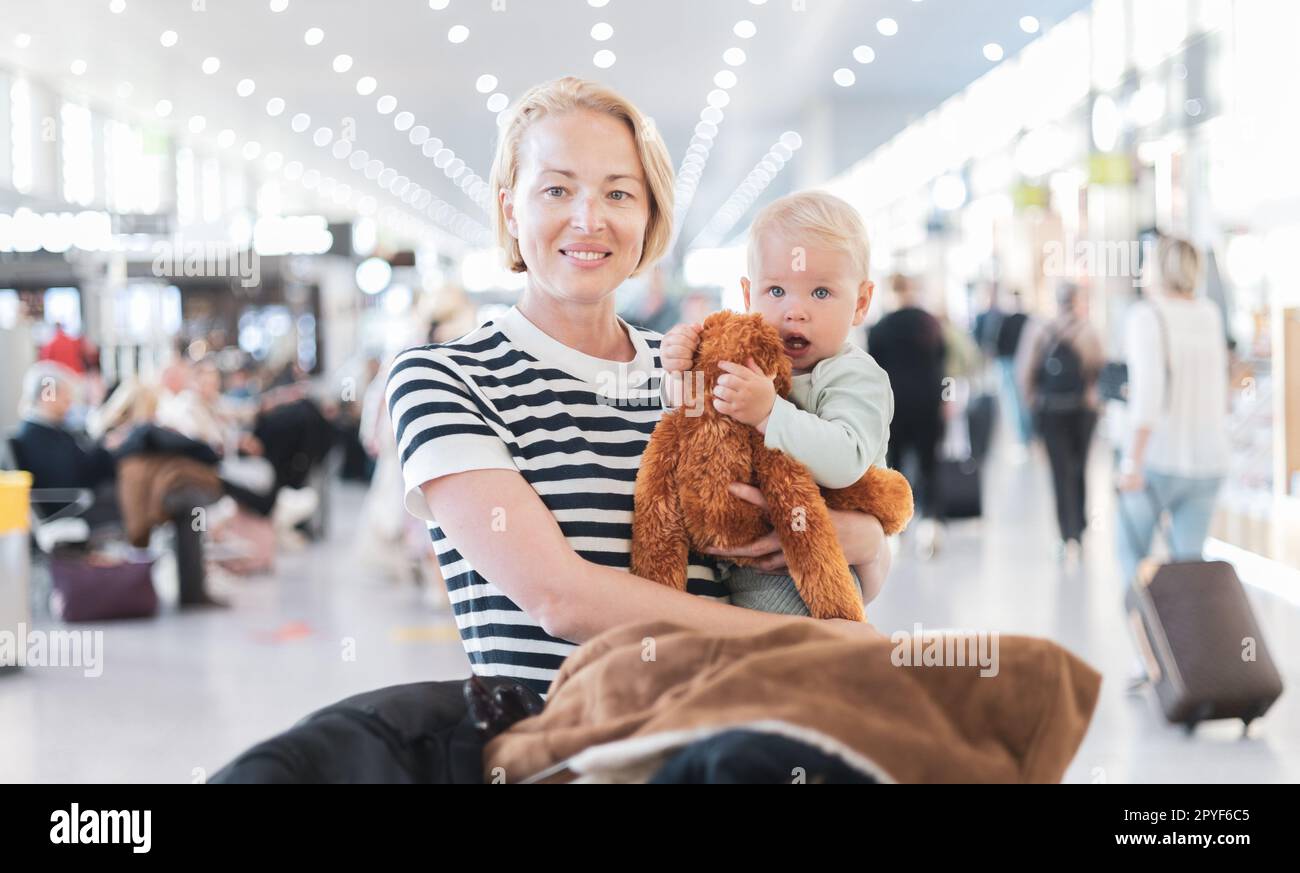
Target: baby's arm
<point>848,430</point>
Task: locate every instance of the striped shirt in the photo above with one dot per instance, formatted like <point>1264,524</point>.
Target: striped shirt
<point>508,396</point>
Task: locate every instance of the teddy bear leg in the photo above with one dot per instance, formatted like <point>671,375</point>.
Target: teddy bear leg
<point>801,521</point>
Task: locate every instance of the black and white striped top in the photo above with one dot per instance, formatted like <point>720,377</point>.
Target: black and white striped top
<point>508,396</point>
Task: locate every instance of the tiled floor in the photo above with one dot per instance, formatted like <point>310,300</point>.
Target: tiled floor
<point>180,695</point>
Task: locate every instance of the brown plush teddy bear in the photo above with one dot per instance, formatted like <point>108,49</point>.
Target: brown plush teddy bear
<point>683,504</point>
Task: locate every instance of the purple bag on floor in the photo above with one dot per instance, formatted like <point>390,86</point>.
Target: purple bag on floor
<point>87,591</point>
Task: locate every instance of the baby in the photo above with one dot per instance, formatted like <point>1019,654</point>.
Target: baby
<point>808,263</point>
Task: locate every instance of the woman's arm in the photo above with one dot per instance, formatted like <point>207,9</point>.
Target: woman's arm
<point>502,528</point>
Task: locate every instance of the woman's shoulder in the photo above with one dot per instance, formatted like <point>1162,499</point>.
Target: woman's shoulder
<point>483,344</point>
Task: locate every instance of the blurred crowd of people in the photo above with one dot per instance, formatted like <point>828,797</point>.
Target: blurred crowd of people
<point>1046,373</point>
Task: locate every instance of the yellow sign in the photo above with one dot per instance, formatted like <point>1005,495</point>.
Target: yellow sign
<point>15,503</point>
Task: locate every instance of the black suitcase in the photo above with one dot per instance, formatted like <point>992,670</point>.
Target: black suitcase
<point>959,489</point>
<point>1196,632</point>
<point>1204,650</point>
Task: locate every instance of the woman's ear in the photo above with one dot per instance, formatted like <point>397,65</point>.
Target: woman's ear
<point>507,199</point>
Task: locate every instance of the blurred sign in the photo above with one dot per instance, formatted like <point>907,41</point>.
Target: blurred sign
<point>1110,169</point>
<point>149,223</point>
<point>1026,196</point>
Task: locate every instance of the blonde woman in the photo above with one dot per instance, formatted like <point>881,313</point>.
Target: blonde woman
<point>520,441</point>
<point>1177,451</point>
<point>520,444</point>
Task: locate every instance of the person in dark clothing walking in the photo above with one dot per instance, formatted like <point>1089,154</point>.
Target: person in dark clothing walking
<point>908,343</point>
<point>1058,377</point>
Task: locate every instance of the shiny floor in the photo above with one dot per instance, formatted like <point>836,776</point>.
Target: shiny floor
<point>182,694</point>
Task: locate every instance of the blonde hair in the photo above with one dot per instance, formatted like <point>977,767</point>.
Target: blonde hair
<point>1180,264</point>
<point>567,95</point>
<point>824,217</point>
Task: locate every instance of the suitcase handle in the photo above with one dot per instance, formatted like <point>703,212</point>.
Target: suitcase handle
<point>1138,627</point>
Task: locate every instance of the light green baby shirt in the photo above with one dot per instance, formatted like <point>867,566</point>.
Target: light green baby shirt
<point>836,420</point>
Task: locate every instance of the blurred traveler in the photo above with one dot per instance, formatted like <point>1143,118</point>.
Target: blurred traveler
<point>1058,377</point>
<point>1177,452</point>
<point>908,343</point>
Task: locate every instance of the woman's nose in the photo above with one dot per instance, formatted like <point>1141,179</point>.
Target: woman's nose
<point>587,214</point>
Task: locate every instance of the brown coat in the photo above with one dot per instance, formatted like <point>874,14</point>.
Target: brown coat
<point>145,481</point>
<point>655,687</point>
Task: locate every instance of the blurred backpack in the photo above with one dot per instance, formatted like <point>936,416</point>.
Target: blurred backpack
<point>1058,377</point>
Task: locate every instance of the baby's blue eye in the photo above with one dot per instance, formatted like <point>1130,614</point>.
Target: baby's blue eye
<point>776,291</point>
<point>818,291</point>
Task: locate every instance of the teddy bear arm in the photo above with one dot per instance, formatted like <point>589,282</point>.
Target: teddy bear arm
<point>881,492</point>
<point>660,545</point>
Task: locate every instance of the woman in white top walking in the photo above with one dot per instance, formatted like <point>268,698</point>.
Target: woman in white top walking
<point>1177,452</point>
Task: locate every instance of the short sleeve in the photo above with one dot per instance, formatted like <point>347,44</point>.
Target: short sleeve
<point>441,424</point>
<point>1145,353</point>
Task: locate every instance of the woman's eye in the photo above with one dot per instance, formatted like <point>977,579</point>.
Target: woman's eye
<point>821,293</point>
<point>619,195</point>
<point>555,190</point>
<point>776,291</point>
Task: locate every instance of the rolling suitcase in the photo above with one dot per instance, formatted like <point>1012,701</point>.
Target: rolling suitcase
<point>959,489</point>
<point>1204,651</point>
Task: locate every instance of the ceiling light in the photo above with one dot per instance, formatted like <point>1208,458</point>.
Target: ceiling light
<point>366,85</point>
<point>403,121</point>
<point>163,108</point>
<point>300,122</point>
<point>245,87</point>
<point>601,31</point>
<point>604,59</point>
<point>197,123</point>
<point>864,54</point>
<point>844,77</point>
<point>725,79</point>
<point>486,83</point>
<point>226,138</point>
<point>386,104</point>
<point>497,102</point>
<point>78,67</point>
<point>993,52</point>
<point>887,26</point>
<point>734,56</point>
<point>744,29</point>
<point>168,38</point>
<point>313,36</point>
<point>211,65</point>
<point>274,106</point>
<point>322,137</point>
<point>458,34</point>
<point>342,63</point>
<point>1029,24</point>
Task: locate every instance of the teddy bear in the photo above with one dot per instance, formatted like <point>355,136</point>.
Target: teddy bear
<point>682,502</point>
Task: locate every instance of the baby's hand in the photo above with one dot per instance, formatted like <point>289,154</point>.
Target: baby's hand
<point>745,393</point>
<point>677,350</point>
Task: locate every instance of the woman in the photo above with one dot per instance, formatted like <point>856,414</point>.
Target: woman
<point>1058,378</point>
<point>1178,401</point>
<point>520,443</point>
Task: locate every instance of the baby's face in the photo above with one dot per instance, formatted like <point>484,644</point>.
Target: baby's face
<point>810,293</point>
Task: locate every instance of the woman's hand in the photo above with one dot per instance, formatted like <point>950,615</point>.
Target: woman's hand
<point>767,548</point>
<point>860,536</point>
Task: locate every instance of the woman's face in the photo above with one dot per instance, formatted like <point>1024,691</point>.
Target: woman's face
<point>580,204</point>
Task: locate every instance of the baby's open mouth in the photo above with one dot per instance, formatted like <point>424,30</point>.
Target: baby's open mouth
<point>795,343</point>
